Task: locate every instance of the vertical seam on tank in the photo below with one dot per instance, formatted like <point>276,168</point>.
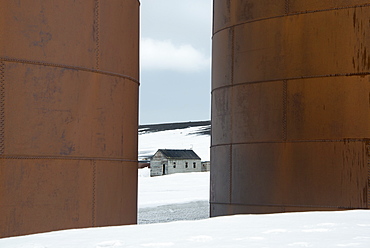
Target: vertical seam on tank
<point>232,54</point>
<point>93,192</point>
<point>285,87</point>
<point>231,115</point>
<point>287,7</point>
<point>2,107</point>
<point>231,172</point>
<point>97,32</point>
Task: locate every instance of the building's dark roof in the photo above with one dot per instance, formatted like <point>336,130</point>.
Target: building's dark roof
<point>179,154</point>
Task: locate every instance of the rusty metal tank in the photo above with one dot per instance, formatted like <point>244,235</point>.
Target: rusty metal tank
<point>69,79</point>
<point>290,106</point>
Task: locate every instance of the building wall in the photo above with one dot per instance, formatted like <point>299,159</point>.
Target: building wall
<point>159,160</point>
<point>156,165</point>
<point>68,114</point>
<point>181,166</point>
<point>206,166</point>
<point>290,106</point>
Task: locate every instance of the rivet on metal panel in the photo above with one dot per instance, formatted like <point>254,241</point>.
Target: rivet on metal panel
<point>66,158</point>
<point>232,30</point>
<point>354,74</point>
<point>231,173</point>
<point>289,12</point>
<point>287,7</point>
<point>93,193</point>
<point>368,172</point>
<point>96,29</point>
<point>2,106</point>
<point>290,141</point>
<point>333,8</point>
<point>288,205</point>
<point>285,85</point>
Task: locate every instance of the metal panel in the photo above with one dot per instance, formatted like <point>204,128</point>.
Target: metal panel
<point>231,209</point>
<point>328,108</point>
<point>245,11</point>
<point>117,43</point>
<point>307,45</point>
<point>290,99</point>
<point>252,10</point>
<point>314,5</point>
<point>259,110</point>
<point>68,114</point>
<point>300,174</point>
<point>222,68</point>
<point>221,111</point>
<point>221,14</point>
<point>41,195</point>
<point>221,174</point>
<point>262,161</point>
<point>49,31</point>
<point>112,180</point>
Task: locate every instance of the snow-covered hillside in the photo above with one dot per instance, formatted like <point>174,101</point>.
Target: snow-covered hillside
<point>185,135</point>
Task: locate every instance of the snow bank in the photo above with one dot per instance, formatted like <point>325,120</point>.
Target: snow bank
<point>310,229</point>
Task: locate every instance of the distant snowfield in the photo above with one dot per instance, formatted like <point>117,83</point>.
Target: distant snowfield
<point>185,138</point>
<point>172,189</point>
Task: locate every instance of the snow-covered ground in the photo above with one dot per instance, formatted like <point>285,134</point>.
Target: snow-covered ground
<point>177,138</point>
<point>183,196</point>
<point>309,229</point>
<point>172,189</point>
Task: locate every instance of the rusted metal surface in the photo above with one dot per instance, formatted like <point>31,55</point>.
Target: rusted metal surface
<point>69,83</point>
<point>290,106</point>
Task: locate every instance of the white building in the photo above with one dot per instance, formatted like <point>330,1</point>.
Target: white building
<point>166,161</point>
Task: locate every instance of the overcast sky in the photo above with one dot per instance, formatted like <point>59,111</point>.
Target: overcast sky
<point>175,60</point>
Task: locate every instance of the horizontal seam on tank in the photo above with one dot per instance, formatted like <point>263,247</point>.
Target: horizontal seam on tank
<point>286,205</point>
<point>70,67</point>
<point>247,22</point>
<point>292,14</point>
<point>295,141</point>
<point>66,158</point>
<point>296,78</point>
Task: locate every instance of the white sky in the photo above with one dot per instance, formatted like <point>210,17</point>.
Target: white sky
<point>175,60</point>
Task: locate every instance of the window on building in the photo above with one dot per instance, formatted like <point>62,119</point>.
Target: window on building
<point>174,164</point>
<point>186,164</point>
<point>194,165</point>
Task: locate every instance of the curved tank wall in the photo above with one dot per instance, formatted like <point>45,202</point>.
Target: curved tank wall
<point>290,106</point>
<point>69,79</point>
